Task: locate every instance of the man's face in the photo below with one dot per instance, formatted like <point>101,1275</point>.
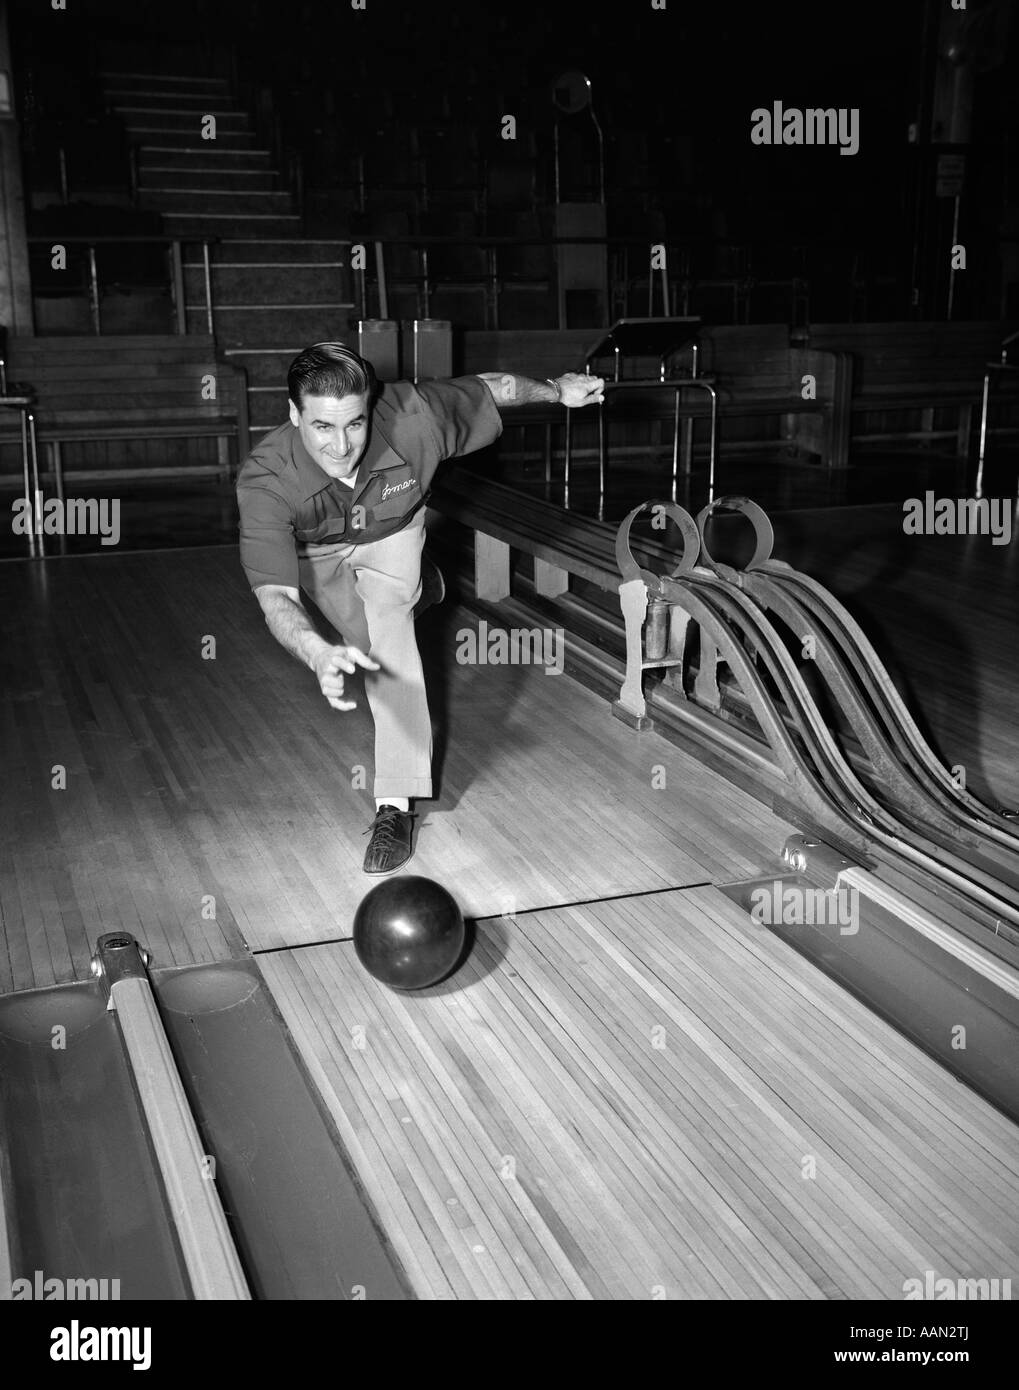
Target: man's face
<point>334,431</point>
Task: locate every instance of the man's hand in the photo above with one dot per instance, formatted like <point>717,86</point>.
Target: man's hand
<point>571,389</point>
<point>579,389</point>
<point>328,665</point>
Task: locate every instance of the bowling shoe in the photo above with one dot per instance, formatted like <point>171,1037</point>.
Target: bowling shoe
<point>391,843</point>
<point>433,586</point>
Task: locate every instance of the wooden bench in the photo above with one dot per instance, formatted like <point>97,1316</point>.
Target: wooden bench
<point>921,370</point>
<point>712,725</point>
<point>718,719</point>
<point>560,542</point>
<point>153,388</point>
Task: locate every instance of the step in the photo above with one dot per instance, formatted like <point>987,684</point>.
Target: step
<point>265,366</point>
<point>172,116</point>
<point>157,177</point>
<point>146,135</point>
<point>269,402</point>
<point>262,250</point>
<point>169,101</point>
<point>233,320</point>
<point>195,224</point>
<point>158,79</point>
<point>274,324</point>
<point>29,358</point>
<point>204,202</point>
<point>270,282</point>
<point>192,159</point>
<point>228,309</point>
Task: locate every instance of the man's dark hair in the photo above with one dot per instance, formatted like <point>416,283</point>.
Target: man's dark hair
<point>330,369</point>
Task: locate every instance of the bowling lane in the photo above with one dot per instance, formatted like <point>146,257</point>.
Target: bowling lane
<point>209,800</point>
<point>650,1098</point>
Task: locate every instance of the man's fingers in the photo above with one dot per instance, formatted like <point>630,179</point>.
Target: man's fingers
<point>348,659</point>
<point>338,662</point>
<point>342,661</point>
<point>579,389</point>
<point>358,656</point>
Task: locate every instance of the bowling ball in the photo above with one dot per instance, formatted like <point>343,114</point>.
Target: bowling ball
<point>408,932</point>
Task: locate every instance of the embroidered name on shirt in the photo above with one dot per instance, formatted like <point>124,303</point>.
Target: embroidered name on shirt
<point>398,487</point>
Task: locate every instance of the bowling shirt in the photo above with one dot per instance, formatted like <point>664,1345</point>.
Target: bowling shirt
<point>289,506</point>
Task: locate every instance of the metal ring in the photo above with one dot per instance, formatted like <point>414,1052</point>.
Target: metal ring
<point>628,566</point>
<point>758,518</point>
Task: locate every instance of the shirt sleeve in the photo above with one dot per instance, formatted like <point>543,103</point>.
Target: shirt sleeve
<point>268,547</point>
<point>463,414</point>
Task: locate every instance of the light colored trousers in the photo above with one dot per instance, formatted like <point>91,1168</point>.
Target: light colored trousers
<point>368,593</point>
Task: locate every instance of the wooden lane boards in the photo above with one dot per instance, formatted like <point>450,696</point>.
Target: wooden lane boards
<point>210,806</point>
<point>637,1167</point>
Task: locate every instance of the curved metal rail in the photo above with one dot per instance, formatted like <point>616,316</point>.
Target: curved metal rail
<point>731,609</point>
<point>915,754</point>
<point>771,581</point>
<point>854,802</point>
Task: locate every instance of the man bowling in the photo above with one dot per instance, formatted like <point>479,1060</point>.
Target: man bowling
<point>333,504</point>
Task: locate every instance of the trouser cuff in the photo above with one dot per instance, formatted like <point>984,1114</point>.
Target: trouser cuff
<point>403,786</point>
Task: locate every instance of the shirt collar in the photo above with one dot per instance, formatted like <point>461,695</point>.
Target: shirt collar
<point>378,456</point>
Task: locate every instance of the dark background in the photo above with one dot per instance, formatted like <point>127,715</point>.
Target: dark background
<point>673,91</point>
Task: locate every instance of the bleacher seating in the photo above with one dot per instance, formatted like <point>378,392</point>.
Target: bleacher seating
<point>124,406</point>
<point>431,162</point>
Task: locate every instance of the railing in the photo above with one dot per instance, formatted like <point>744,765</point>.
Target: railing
<point>679,285</point>
<point>1002,366</point>
<point>623,272</point>
<point>630,268</point>
<point>175,269</point>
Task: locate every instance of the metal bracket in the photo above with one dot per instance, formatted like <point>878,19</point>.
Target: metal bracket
<point>118,957</point>
<point>823,864</point>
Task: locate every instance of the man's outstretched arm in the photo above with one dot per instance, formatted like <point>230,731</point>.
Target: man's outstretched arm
<point>572,389</point>
<point>289,622</point>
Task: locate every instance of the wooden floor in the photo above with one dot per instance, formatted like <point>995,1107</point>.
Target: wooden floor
<point>650,1098</point>
<point>198,787</point>
<point>629,1091</point>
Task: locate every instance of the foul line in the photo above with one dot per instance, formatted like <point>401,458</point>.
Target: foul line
<point>510,916</point>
